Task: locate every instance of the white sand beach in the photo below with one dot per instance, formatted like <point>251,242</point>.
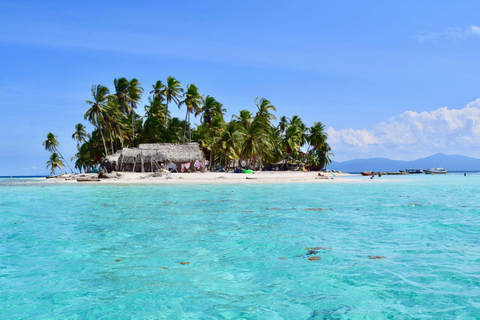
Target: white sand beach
<point>219,178</point>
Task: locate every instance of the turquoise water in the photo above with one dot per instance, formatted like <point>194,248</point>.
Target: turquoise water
<point>114,252</point>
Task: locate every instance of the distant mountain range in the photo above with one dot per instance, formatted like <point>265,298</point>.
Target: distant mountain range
<point>451,163</point>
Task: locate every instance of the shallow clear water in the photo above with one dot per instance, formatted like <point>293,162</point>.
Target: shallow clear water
<point>97,251</point>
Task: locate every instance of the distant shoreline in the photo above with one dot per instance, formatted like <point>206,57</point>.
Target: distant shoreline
<point>20,177</point>
<point>261,177</point>
<point>263,172</point>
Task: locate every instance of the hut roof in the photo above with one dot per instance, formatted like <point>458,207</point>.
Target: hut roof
<point>114,157</point>
<point>173,152</point>
<point>130,154</point>
<point>153,153</point>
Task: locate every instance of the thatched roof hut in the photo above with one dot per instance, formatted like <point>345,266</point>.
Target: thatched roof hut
<point>149,157</point>
<point>176,153</point>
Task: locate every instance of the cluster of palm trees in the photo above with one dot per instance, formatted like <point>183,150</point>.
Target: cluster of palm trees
<point>56,159</point>
<point>253,139</point>
<point>249,137</point>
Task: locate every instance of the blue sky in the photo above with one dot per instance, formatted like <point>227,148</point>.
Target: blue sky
<point>378,75</point>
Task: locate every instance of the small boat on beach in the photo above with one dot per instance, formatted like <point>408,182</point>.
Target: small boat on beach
<point>54,177</point>
<point>87,179</point>
<point>368,173</point>
<point>439,170</point>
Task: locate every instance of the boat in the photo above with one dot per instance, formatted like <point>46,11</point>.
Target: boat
<point>368,173</point>
<point>439,170</point>
<point>87,179</point>
<point>413,171</point>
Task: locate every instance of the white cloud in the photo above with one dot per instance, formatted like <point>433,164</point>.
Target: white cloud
<point>475,30</point>
<point>411,135</point>
<point>452,33</point>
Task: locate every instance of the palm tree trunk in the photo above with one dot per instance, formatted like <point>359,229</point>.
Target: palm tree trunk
<point>103,139</point>
<point>120,135</point>
<point>189,129</point>
<point>210,163</point>
<point>166,113</point>
<point>133,127</point>
<point>59,168</point>
<point>111,145</point>
<point>185,126</point>
<point>63,159</point>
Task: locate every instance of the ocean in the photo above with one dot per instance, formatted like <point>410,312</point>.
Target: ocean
<point>406,247</point>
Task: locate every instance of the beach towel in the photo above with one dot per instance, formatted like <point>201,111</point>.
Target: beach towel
<point>185,166</point>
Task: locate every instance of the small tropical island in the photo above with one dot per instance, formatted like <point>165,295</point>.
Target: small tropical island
<point>191,169</point>
<point>250,140</point>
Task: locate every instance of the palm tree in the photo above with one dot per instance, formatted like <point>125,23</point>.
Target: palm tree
<point>112,119</point>
<point>156,109</point>
<point>215,130</point>
<point>317,136</point>
<point>203,135</point>
<point>97,112</point>
<point>257,142</point>
<point>121,97</point>
<point>292,140</point>
<point>83,158</point>
<point>244,118</point>
<point>294,137</point>
<point>230,139</point>
<point>121,93</point>
<point>55,162</point>
<point>192,101</point>
<point>96,152</point>
<point>325,153</point>
<point>80,134</point>
<point>211,108</point>
<point>265,109</point>
<point>320,157</point>
<point>51,145</point>
<point>275,144</point>
<point>283,124</point>
<point>173,132</point>
<point>158,91</point>
<point>134,96</point>
<point>173,92</point>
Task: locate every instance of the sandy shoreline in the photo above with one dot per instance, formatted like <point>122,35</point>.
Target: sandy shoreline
<point>270,177</point>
